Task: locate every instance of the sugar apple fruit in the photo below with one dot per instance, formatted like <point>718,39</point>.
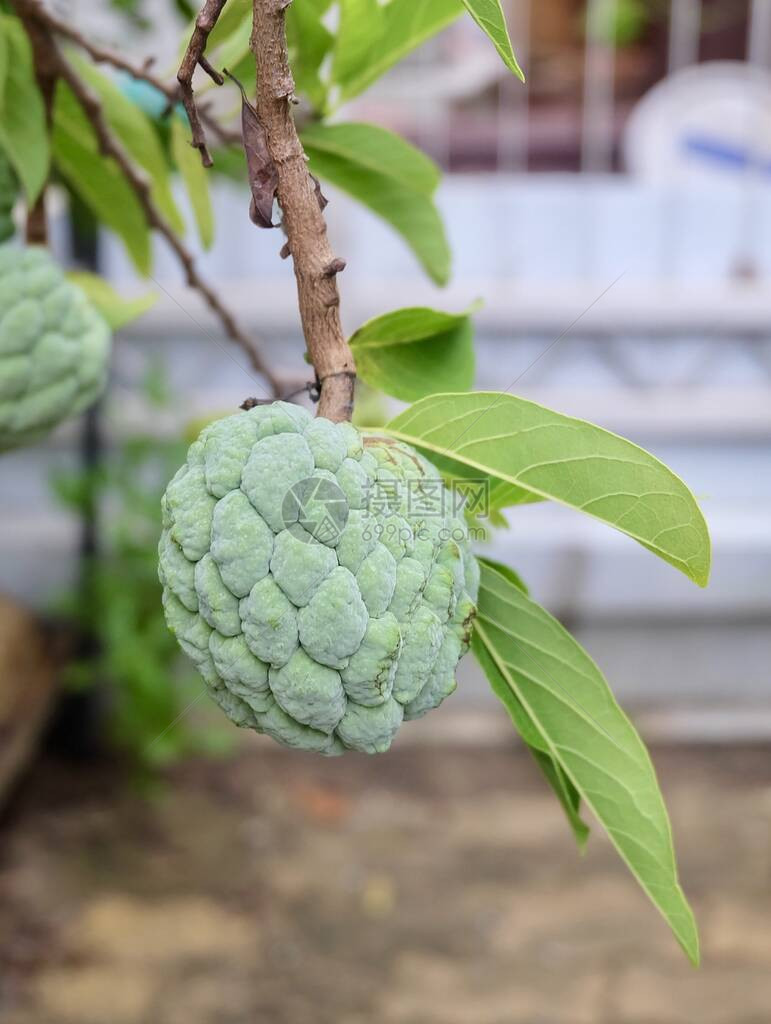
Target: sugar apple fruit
<point>317,578</point>
<point>54,346</point>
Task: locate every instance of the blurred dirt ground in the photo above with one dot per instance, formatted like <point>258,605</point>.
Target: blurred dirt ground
<point>431,885</point>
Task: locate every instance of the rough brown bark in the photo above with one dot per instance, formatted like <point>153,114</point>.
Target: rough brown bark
<point>194,56</point>
<point>315,265</point>
<point>46,75</point>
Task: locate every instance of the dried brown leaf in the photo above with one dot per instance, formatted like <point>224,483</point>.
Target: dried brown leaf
<point>263,176</point>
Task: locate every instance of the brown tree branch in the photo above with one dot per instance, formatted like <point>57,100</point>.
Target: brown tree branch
<point>46,73</point>
<point>315,265</point>
<point>194,56</point>
<point>111,147</point>
<point>142,72</point>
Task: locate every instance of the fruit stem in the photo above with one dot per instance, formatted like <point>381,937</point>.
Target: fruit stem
<point>315,265</point>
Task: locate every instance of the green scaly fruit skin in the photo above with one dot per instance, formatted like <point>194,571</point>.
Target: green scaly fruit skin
<point>54,346</point>
<point>325,637</point>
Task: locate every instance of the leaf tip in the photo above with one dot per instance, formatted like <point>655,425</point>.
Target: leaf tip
<point>688,934</point>
<point>692,949</point>
<point>438,270</point>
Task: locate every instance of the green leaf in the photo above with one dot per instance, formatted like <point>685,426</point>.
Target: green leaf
<point>232,51</point>
<point>389,176</point>
<point>378,150</point>
<point>136,132</point>
<point>506,571</point>
<point>116,310</point>
<point>229,161</point>
<point>566,460</point>
<point>532,738</point>
<point>23,133</point>
<point>566,792</point>
<point>371,37</point>
<point>242,69</point>
<point>228,42</point>
<point>194,175</point>
<point>504,495</point>
<point>568,701</point>
<point>522,720</point>
<point>411,352</point>
<point>309,42</point>
<point>362,23</point>
<point>230,20</point>
<point>235,18</point>
<point>97,180</point>
<point>488,14</point>
<point>3,62</point>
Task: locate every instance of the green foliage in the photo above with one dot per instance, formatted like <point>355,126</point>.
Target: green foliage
<point>96,180</point>
<point>566,793</point>
<point>566,460</point>
<point>488,14</point>
<point>228,42</point>
<point>234,52</point>
<point>116,310</point>
<point>556,696</point>
<point>309,42</point>
<point>504,495</point>
<point>136,133</point>
<point>619,22</point>
<point>376,167</point>
<point>23,133</point>
<point>4,48</point>
<point>230,21</point>
<point>388,175</point>
<point>375,149</point>
<point>413,352</point>
<point>196,180</point>
<point>559,700</point>
<point>75,153</point>
<point>9,188</point>
<point>134,11</point>
<point>150,682</point>
<point>372,37</point>
<point>507,572</point>
<point>330,66</point>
